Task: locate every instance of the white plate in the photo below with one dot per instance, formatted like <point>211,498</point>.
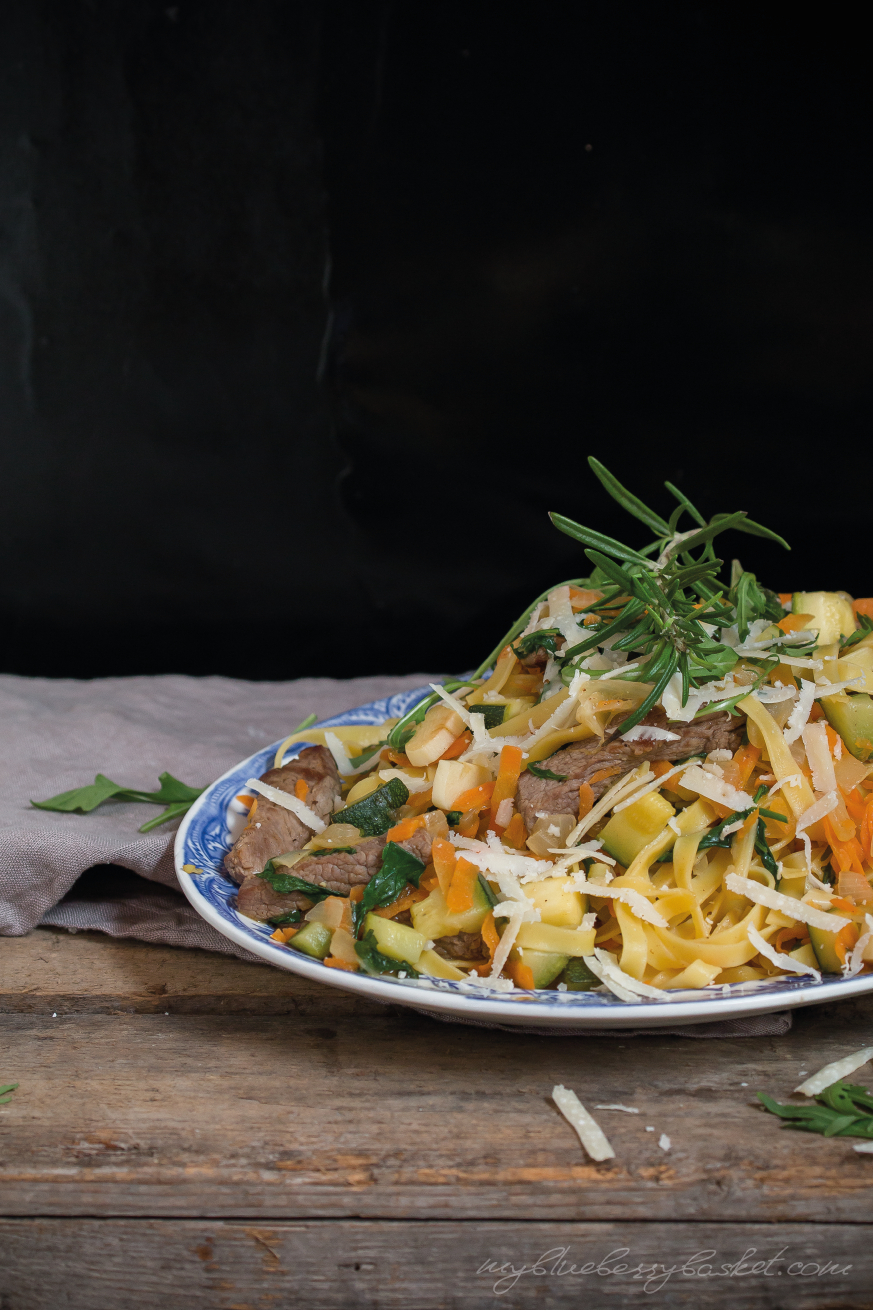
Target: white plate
<point>210,827</point>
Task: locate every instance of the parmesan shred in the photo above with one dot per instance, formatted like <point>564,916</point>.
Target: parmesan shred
<point>303,812</point>
<point>628,1109</point>
<point>591,1135</point>
<point>604,966</point>
<point>832,1073</point>
<point>664,1142</point>
<point>799,910</point>
<point>635,901</point>
<point>779,958</point>
<point>715,789</point>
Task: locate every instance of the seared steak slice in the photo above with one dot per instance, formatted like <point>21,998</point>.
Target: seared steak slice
<point>338,871</point>
<point>580,760</point>
<point>462,946</point>
<point>273,830</point>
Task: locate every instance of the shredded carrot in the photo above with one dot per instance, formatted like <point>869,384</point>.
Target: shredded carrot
<point>247,801</point>
<point>398,758</point>
<point>864,606</point>
<point>856,804</point>
<point>847,854</point>
<point>475,798</point>
<point>801,936</point>
<point>516,834</point>
<point>458,746</point>
<point>404,902</point>
<point>581,600</point>
<point>428,879</point>
<point>867,830</point>
<point>444,857</point>
<point>660,767</point>
<point>745,760</point>
<point>333,962</point>
<point>794,622</point>
<point>816,713</point>
<point>845,940</point>
<point>356,894</point>
<point>832,738</point>
<point>403,830</point>
<point>507,783</point>
<point>586,799</point>
<point>490,936</point>
<point>602,774</point>
<point>785,597</point>
<point>468,824</point>
<point>283,934</point>
<point>521,974</point>
<point>301,789</point>
<point>460,894</point>
<point>253,809</point>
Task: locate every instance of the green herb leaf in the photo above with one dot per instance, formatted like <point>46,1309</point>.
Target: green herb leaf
<point>863,631</point>
<point>357,760</point>
<point>177,796</point>
<point>453,817</point>
<point>764,850</point>
<point>486,888</point>
<point>546,773</point>
<point>716,837</point>
<point>280,920</point>
<point>374,814</point>
<point>841,1110</point>
<point>375,962</point>
<point>6,1092</point>
<point>627,500</point>
<point>287,882</point>
<point>546,639</point>
<point>492,714</point>
<point>398,868</point>
<point>589,537</point>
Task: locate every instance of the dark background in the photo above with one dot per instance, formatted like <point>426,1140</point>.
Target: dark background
<point>310,311</point>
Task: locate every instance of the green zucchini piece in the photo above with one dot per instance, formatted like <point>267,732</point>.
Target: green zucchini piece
<point>433,917</point>
<point>492,714</point>
<point>629,831</point>
<point>312,940</point>
<point>579,977</point>
<point>544,965</point>
<point>374,814</point>
<point>831,612</point>
<point>851,715</point>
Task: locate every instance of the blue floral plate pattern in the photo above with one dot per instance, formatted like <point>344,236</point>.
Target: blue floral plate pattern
<point>211,826</point>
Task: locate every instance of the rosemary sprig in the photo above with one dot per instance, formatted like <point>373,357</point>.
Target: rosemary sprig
<point>668,596</point>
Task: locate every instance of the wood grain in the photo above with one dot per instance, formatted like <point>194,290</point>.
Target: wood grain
<point>337,1114</point>
<point>401,1265</point>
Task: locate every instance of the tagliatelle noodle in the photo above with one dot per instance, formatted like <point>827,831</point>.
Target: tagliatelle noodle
<point>798,794</point>
<point>774,900</point>
<point>591,1135</point>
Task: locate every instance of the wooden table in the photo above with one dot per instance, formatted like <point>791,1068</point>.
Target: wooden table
<point>195,1131</point>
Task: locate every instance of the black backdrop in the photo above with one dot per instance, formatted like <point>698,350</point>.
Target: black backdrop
<point>310,311</point>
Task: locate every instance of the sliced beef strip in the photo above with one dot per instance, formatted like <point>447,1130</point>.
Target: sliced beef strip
<point>338,871</point>
<point>462,946</point>
<point>580,760</point>
<point>275,830</point>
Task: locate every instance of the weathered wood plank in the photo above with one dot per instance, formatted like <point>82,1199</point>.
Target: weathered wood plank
<point>51,970</point>
<point>257,1116</point>
<point>136,1265</point>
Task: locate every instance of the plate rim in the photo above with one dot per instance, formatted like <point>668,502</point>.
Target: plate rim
<point>518,1012</point>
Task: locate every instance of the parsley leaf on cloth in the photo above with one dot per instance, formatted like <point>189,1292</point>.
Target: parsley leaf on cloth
<point>177,796</point>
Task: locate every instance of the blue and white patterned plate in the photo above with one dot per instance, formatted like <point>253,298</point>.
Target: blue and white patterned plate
<point>212,824</point>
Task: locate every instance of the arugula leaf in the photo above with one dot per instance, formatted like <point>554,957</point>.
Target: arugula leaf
<point>374,814</point>
<point>547,639</point>
<point>842,1110</point>
<point>375,962</point>
<point>486,888</point>
<point>177,796</point>
<point>357,760</point>
<point>547,773</point>
<point>453,817</point>
<point>287,882</point>
<point>398,867</point>
<point>764,850</point>
<point>716,837</point>
<point>863,631</point>
<point>6,1092</point>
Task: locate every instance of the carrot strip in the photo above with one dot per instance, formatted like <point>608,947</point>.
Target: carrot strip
<point>794,622</point>
<point>864,606</point>
<point>855,804</point>
<point>247,801</point>
<point>444,857</point>
<point>745,760</point>
<point>468,824</point>
<point>867,830</point>
<point>460,894</point>
<point>845,940</point>
<point>475,798</point>
<point>661,767</point>
<point>333,962</point>
<point>490,935</point>
<point>403,830</point>
<point>602,774</point>
<point>356,894</point>
<point>785,597</point>
<point>521,974</point>
<point>507,783</point>
<point>283,934</point>
<point>516,834</point>
<point>404,902</point>
<point>458,746</point>
<point>301,789</point>
<point>788,935</point>
<point>586,799</point>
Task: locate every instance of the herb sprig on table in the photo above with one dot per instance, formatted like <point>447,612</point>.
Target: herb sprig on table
<point>842,1110</point>
<point>6,1092</point>
<point>177,796</point>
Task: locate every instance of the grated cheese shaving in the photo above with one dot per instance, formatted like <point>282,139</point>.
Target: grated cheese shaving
<point>635,901</point>
<point>303,812</point>
<point>603,965</point>
<point>342,759</point>
<point>644,732</point>
<point>517,916</point>
<point>832,1073</point>
<point>413,785</point>
<point>561,616</point>
<point>628,1109</point>
<point>819,808</point>
<point>664,1142</point>
<point>591,1135</point>
<point>714,789</point>
<point>650,786</point>
<point>799,716</point>
<point>774,900</point>
<point>818,753</point>
<point>504,811</point>
<point>855,961</point>
<point>780,958</point>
